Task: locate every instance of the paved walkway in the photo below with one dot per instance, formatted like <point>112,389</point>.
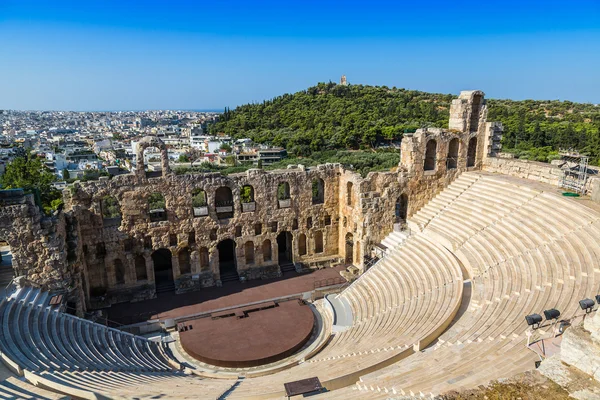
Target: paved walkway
<point>171,305</point>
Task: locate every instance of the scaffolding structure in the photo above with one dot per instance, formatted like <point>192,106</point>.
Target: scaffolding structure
<point>575,172</point>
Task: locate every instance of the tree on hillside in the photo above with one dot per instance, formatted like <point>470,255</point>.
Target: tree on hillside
<point>29,173</point>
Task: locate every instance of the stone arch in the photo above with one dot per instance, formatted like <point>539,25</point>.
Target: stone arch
<point>185,265</point>
<point>142,145</point>
<point>283,195</point>
<point>267,250</point>
<point>224,202</point>
<point>472,152</point>
<point>249,252</point>
<point>141,272</point>
<point>162,261</point>
<point>318,242</point>
<point>119,271</point>
<point>477,103</point>
<point>157,207</point>
<point>199,203</point>
<point>452,159</point>
<point>429,163</point>
<point>284,247</point>
<point>349,248</point>
<point>350,194</point>
<point>302,244</point>
<point>227,260</point>
<point>247,198</point>
<point>318,191</point>
<point>204,259</point>
<point>111,210</point>
<point>247,194</point>
<point>401,211</point>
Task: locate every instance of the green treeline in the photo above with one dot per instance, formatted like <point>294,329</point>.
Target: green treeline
<point>330,117</point>
<point>334,117</point>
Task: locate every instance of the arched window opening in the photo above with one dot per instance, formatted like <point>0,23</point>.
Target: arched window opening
<point>302,244</point>
<point>349,248</point>
<point>349,194</point>
<point>183,257</point>
<point>111,210</point>
<point>152,160</point>
<point>247,198</point>
<point>119,271</point>
<point>224,202</point>
<point>475,111</point>
<point>430,155</point>
<point>249,252</point>
<point>472,152</point>
<point>157,207</point>
<point>318,191</point>
<point>204,260</point>
<point>283,195</point>
<point>401,208</point>
<point>318,242</point>
<point>266,250</point>
<point>199,203</point>
<point>141,273</point>
<point>452,160</point>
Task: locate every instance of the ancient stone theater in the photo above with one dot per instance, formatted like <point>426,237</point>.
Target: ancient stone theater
<point>310,280</point>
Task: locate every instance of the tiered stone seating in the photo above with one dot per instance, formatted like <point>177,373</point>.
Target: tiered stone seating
<point>414,331</point>
<point>83,359</point>
<point>11,387</point>
<point>401,304</point>
<point>38,338</point>
<point>537,252</point>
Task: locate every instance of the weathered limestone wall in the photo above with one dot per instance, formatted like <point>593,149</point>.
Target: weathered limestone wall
<point>38,244</point>
<point>536,171</point>
<point>104,241</point>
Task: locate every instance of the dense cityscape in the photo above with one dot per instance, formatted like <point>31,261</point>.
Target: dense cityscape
<point>89,145</point>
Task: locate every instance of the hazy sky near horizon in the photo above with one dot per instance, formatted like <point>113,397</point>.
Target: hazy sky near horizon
<point>109,55</point>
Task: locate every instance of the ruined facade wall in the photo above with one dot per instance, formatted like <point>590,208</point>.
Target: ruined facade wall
<point>135,234</point>
<point>106,261</point>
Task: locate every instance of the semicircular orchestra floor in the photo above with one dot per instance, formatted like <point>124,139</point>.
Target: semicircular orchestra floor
<point>249,336</point>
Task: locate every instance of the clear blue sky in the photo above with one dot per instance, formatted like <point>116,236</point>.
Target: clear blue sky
<point>105,55</point>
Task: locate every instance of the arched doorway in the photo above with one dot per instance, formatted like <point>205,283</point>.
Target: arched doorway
<point>284,245</point>
<point>401,208</point>
<point>227,261</point>
<point>163,270</point>
<point>349,248</point>
<point>7,272</point>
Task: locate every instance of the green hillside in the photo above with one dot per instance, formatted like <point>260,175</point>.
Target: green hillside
<point>331,117</point>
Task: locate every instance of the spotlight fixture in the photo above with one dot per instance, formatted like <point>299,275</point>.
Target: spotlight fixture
<point>587,305</point>
<point>598,298</point>
<point>553,313</point>
<point>534,319</point>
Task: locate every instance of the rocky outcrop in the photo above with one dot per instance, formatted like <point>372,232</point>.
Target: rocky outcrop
<point>577,366</point>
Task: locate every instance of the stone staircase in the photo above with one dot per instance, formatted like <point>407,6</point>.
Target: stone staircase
<point>394,240</point>
<point>287,267</point>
